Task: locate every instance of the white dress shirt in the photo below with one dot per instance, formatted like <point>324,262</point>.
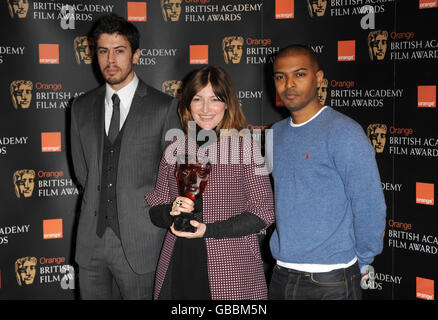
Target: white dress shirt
<point>126,94</point>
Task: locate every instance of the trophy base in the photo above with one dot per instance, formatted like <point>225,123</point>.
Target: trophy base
<point>182,222</point>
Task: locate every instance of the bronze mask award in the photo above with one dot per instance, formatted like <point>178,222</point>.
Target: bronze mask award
<point>192,177</point>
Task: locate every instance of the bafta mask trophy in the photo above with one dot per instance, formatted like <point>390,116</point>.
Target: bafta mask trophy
<point>192,177</point>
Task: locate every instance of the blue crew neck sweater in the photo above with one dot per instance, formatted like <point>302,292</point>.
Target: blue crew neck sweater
<point>328,196</point>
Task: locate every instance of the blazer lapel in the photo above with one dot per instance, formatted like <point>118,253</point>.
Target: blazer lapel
<point>99,124</point>
<point>134,118</point>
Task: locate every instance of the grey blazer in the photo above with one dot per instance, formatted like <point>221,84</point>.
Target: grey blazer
<point>152,113</point>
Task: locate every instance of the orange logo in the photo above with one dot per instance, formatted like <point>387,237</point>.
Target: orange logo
<point>347,50</point>
<point>284,9</point>
<point>425,193</point>
<point>426,96</point>
<point>425,289</point>
<point>52,229</point>
<point>137,11</point>
<point>199,54</point>
<point>49,53</point>
<point>50,141</point>
<point>426,4</point>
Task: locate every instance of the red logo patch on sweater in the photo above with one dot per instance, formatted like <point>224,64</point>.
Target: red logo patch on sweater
<point>307,155</point>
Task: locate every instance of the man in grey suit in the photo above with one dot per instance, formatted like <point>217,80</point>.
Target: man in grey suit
<point>117,139</point>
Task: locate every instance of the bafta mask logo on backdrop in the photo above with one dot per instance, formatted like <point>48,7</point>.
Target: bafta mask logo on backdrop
<point>322,91</point>
<point>24,183</point>
<point>232,48</point>
<point>18,8</point>
<point>377,135</point>
<point>25,270</point>
<point>21,93</point>
<point>84,49</point>
<point>316,7</point>
<point>172,88</point>
<point>171,10</point>
<point>377,44</point>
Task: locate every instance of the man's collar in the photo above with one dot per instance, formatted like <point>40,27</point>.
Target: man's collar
<point>127,92</point>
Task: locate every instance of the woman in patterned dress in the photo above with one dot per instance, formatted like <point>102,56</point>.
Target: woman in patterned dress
<point>221,260</point>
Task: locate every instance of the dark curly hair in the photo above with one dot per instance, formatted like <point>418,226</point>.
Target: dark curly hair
<point>112,23</point>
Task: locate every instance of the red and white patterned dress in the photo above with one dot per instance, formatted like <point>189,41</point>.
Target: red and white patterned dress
<point>237,183</point>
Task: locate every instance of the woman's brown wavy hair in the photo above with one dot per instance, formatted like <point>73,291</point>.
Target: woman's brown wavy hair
<point>224,91</point>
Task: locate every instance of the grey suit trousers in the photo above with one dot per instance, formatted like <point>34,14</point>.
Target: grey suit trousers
<point>109,275</point>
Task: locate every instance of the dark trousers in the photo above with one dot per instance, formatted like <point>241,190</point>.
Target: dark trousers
<point>109,275</point>
<point>339,284</point>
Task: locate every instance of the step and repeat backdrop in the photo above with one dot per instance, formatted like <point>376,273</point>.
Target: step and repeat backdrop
<point>380,62</point>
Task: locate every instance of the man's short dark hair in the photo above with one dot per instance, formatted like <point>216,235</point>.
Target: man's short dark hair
<point>112,23</point>
<point>299,49</point>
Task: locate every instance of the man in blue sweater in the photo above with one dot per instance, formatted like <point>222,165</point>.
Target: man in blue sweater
<point>330,208</point>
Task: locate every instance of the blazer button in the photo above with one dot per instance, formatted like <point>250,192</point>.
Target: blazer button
<point>98,188</point>
<point>95,213</point>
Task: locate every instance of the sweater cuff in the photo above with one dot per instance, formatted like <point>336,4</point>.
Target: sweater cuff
<point>160,215</point>
<point>238,226</point>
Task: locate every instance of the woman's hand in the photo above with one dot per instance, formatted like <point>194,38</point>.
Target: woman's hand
<point>199,233</point>
<point>182,204</point>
